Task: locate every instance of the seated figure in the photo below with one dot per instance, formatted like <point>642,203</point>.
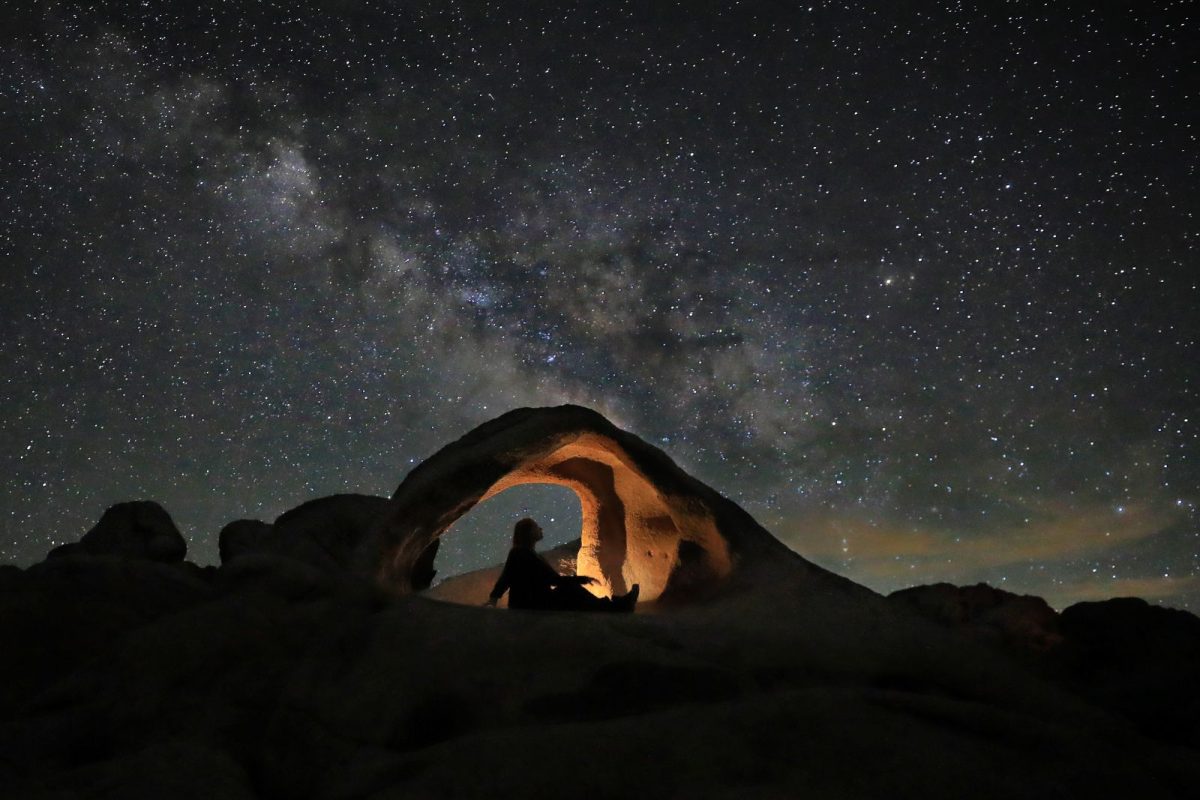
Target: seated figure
<point>534,584</point>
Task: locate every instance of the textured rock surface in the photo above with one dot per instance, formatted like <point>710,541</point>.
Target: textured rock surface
<point>140,529</point>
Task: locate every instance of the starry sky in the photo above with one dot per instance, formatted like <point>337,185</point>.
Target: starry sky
<point>914,285</point>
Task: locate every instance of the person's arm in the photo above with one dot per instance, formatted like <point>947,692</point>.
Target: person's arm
<point>502,583</point>
<point>547,574</point>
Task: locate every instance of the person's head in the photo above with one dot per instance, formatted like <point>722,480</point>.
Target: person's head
<point>526,533</point>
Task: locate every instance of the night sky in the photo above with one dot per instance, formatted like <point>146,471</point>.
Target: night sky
<point>915,287</point>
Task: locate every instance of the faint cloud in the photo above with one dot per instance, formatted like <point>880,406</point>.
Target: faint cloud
<point>1163,589</point>
<point>887,555</point>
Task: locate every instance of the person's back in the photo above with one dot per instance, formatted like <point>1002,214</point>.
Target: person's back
<point>528,579</point>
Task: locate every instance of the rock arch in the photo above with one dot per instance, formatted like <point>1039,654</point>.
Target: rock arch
<point>645,520</point>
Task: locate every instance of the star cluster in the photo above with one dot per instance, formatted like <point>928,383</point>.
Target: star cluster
<point>917,288</point>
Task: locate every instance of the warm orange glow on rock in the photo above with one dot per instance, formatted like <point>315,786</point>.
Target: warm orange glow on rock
<point>632,533</point>
<point>645,521</point>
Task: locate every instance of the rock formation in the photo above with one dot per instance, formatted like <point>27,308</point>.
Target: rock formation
<point>1141,661</point>
<point>1137,660</point>
<point>1019,621</point>
<point>244,536</point>
<point>323,533</point>
<point>283,675</point>
<point>645,520</point>
<point>140,529</point>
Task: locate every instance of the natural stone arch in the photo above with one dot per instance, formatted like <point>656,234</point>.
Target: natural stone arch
<point>645,520</point>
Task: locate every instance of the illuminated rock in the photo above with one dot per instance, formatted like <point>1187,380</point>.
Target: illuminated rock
<point>645,520</point>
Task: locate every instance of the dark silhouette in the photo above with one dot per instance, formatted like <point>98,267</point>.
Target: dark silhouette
<point>533,584</point>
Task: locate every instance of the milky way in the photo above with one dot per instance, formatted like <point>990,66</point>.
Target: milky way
<point>916,289</point>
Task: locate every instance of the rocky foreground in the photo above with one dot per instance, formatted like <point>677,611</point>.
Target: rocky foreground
<point>128,672</point>
<point>316,661</point>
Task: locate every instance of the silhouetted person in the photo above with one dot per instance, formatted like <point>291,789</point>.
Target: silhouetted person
<point>532,583</point>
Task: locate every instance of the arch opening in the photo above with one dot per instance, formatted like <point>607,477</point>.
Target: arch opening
<point>471,551</point>
<point>658,533</point>
<point>631,533</point>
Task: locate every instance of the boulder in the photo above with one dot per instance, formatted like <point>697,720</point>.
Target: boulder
<point>141,529</point>
<point>283,577</point>
<point>243,537</point>
<point>10,575</point>
<point>1131,630</point>
<point>321,533</point>
<point>1139,660</point>
<point>325,532</point>
<point>62,614</point>
<point>1022,622</point>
